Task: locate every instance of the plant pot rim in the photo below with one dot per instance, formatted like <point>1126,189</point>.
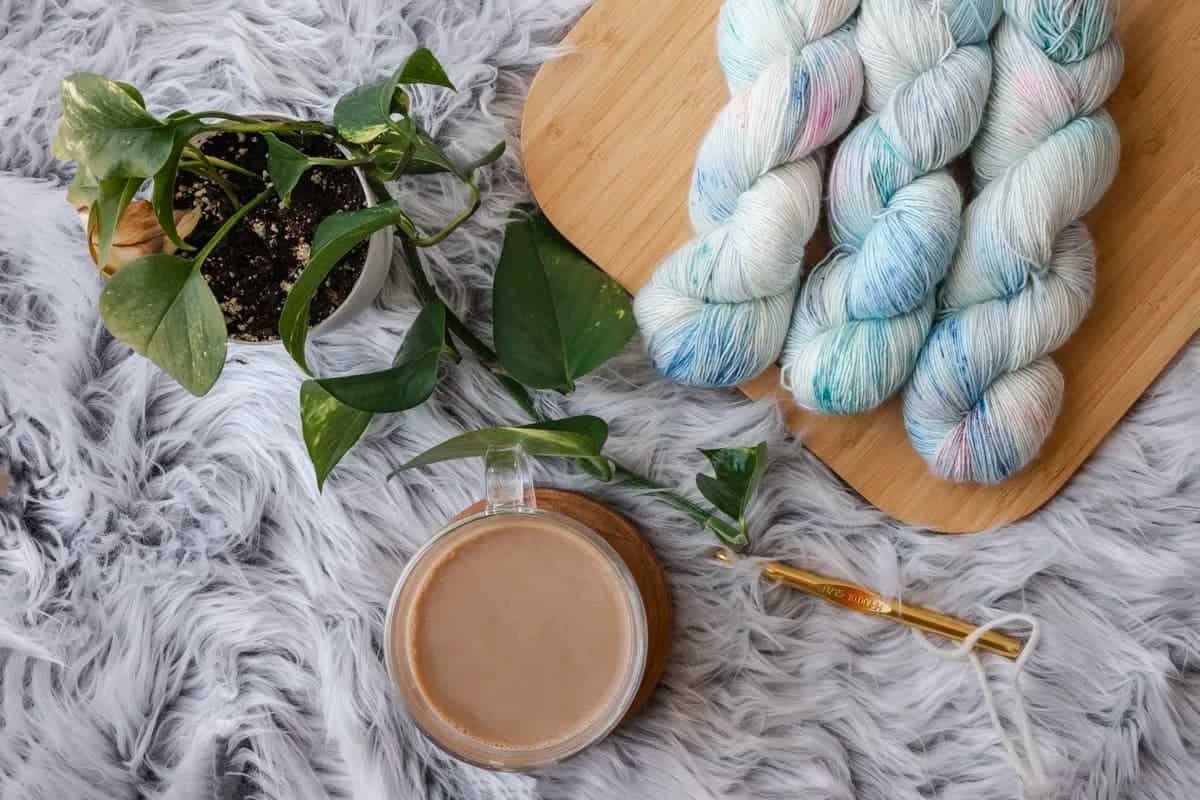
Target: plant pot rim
<point>376,265</point>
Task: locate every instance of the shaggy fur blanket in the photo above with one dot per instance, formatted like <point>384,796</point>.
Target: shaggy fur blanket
<point>182,615</point>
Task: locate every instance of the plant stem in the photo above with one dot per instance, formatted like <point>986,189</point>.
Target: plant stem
<point>339,162</point>
<point>230,223</point>
<point>731,535</point>
<point>202,115</point>
<point>627,477</point>
<point>358,151</point>
<point>228,166</point>
<point>437,238</point>
<point>426,293</point>
<point>269,127</point>
<point>242,124</point>
<point>525,400</point>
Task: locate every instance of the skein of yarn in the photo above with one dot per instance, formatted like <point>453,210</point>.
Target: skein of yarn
<point>715,313</point>
<point>894,211</point>
<point>984,395</point>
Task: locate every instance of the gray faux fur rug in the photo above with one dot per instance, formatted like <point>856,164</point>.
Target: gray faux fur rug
<point>183,616</point>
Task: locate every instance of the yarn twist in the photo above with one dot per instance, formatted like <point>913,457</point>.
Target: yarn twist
<point>894,211</point>
<point>715,313</point>
<point>984,395</point>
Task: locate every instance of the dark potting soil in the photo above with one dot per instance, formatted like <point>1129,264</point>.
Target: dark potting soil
<point>254,267</point>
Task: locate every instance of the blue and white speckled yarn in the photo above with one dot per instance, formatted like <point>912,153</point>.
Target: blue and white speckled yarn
<point>895,212</point>
<point>715,313</point>
<point>984,395</point>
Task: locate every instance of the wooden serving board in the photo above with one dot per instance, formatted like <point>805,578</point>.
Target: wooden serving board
<point>610,136</point>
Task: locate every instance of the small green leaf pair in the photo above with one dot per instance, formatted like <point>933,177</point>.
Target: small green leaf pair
<point>738,473</point>
<point>413,374</point>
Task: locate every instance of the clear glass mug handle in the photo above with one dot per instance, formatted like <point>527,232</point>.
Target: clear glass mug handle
<point>508,480</point>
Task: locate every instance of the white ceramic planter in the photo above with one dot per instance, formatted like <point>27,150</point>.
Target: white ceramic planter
<point>375,268</point>
<point>374,271</point>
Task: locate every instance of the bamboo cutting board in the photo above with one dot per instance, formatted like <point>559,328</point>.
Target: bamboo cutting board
<point>609,139</point>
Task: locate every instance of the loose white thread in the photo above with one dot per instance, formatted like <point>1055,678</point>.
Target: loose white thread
<point>1031,775</point>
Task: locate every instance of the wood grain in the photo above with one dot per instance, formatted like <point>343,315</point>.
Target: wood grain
<point>635,551</point>
<point>610,135</point>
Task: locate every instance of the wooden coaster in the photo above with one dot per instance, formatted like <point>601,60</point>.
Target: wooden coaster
<point>620,532</point>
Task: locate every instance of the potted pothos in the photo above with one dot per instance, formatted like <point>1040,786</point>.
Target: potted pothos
<point>255,227</point>
<point>259,227</point>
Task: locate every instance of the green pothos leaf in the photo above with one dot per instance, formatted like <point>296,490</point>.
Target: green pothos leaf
<point>738,472</point>
<point>286,165</point>
<point>335,412</point>
<point>413,375</point>
<point>423,67</point>
<point>573,437</point>
<point>335,237</point>
<point>162,307</point>
<point>557,316</point>
<point>330,427</point>
<point>365,113</point>
<point>106,128</point>
<point>595,429</point>
<point>113,196</point>
<point>162,197</point>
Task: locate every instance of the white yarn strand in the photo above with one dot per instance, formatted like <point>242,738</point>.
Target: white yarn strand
<point>1030,770</point>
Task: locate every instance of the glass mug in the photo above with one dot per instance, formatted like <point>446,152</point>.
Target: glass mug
<point>516,636</point>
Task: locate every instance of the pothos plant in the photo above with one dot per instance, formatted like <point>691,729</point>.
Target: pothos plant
<point>161,304</point>
<point>556,316</point>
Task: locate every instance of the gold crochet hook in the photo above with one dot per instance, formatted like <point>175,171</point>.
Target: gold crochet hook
<point>865,601</point>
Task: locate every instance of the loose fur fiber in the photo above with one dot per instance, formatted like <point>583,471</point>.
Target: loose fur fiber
<point>183,616</point>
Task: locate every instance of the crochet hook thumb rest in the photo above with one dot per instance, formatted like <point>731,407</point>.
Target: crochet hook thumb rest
<point>856,598</point>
